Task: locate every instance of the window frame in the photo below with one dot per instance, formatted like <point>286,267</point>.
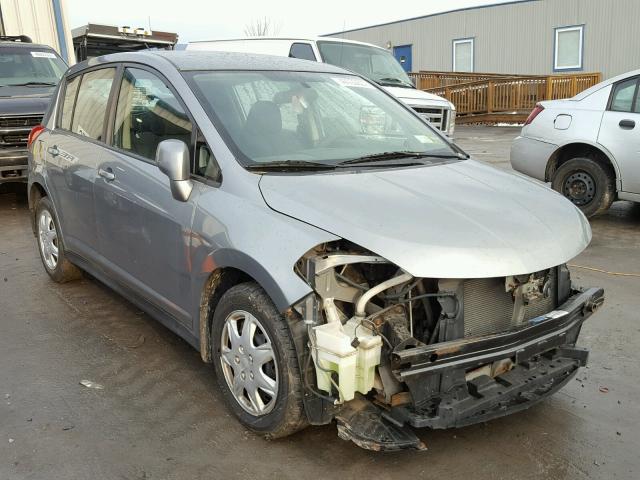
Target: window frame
<point>315,58</point>
<point>194,126</point>
<point>636,93</point>
<point>556,34</point>
<point>62,95</point>
<point>105,127</point>
<point>460,41</point>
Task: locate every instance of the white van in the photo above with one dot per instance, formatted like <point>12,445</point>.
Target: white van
<point>373,62</point>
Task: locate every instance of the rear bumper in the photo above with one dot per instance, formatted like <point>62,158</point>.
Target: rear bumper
<point>13,165</point>
<point>530,156</point>
<point>544,358</point>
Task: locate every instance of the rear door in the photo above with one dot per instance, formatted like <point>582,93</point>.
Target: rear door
<point>620,131</point>
<point>143,232</point>
<point>74,150</point>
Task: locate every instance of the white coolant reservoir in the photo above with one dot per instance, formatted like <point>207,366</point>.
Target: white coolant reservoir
<point>355,366</point>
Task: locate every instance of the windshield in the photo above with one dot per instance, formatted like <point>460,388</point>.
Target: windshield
<point>323,118</point>
<point>371,62</point>
<point>24,66</point>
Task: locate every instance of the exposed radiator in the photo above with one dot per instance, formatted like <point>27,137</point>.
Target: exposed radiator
<point>488,308</point>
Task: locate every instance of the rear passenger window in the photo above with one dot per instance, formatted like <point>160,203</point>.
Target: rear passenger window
<point>623,96</point>
<point>91,105</point>
<point>69,99</point>
<point>148,113</point>
<point>302,50</point>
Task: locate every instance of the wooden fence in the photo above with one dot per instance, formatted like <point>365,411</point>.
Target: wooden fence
<point>428,80</point>
<point>498,98</point>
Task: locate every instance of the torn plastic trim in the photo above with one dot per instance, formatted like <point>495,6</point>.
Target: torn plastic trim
<point>490,398</point>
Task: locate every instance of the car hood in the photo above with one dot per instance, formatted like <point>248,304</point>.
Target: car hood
<point>15,101</point>
<point>457,220</point>
<point>413,96</point>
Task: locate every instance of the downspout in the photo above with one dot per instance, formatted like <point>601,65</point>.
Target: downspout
<point>62,40</point>
<point>1,23</point>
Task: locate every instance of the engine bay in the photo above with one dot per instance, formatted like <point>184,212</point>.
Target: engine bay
<point>376,337</point>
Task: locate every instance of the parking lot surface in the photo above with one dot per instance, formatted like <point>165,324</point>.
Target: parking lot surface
<point>160,415</point>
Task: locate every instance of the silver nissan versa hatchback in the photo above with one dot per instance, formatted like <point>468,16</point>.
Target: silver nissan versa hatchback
<point>331,254</point>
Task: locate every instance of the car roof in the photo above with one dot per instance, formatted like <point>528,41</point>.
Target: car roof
<point>205,60</point>
<point>605,83</point>
<point>9,43</point>
<point>293,39</point>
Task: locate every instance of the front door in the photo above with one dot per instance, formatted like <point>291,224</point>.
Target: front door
<point>403,55</point>
<point>620,131</point>
<point>144,233</point>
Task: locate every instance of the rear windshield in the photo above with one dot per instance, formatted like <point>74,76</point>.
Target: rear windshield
<point>24,66</point>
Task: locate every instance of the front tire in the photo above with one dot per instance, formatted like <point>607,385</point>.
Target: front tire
<point>587,184</point>
<point>50,245</point>
<point>255,362</point>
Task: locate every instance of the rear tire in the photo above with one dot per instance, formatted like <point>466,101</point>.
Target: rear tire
<point>259,364</point>
<point>50,244</point>
<point>587,184</point>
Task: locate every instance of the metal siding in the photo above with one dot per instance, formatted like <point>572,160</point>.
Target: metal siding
<point>35,18</point>
<point>519,38</point>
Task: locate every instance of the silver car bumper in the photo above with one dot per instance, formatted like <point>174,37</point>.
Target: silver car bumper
<point>530,156</point>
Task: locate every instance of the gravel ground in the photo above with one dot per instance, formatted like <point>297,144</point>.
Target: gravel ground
<point>160,416</point>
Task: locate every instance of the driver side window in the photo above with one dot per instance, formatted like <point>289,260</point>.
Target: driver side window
<point>148,113</point>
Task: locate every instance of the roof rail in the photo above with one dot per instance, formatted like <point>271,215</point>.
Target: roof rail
<point>15,38</point>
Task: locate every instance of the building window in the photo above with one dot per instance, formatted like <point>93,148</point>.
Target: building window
<point>463,55</point>
<point>568,48</point>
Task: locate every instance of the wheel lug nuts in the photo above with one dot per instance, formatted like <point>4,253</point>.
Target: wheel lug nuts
<point>251,375</point>
<point>250,358</point>
<point>243,376</point>
<point>236,359</point>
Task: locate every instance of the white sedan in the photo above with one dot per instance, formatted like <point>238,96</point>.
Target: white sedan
<point>587,146</point>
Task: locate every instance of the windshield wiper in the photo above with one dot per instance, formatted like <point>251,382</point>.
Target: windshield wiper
<point>381,157</point>
<point>31,84</point>
<point>290,165</point>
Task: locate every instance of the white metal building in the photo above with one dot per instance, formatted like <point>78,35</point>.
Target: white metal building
<point>44,21</point>
<point>518,37</point>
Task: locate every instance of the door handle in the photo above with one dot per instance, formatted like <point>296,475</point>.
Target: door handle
<point>107,174</point>
<point>53,151</point>
<point>628,124</point>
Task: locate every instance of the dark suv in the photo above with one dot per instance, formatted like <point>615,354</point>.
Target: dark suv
<point>29,74</point>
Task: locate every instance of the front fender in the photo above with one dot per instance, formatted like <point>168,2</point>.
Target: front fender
<point>284,289</point>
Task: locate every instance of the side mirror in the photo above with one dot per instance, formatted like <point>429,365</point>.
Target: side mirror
<point>172,157</point>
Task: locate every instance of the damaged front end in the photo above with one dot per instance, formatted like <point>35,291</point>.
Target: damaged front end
<point>381,350</point>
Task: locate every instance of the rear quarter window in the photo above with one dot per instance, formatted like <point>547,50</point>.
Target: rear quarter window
<point>303,51</point>
<point>68,101</point>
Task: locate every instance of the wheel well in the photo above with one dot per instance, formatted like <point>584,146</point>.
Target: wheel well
<point>217,284</point>
<point>575,150</point>
<point>36,192</point>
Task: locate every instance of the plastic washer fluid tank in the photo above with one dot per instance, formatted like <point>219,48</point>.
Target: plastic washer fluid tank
<point>355,366</point>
